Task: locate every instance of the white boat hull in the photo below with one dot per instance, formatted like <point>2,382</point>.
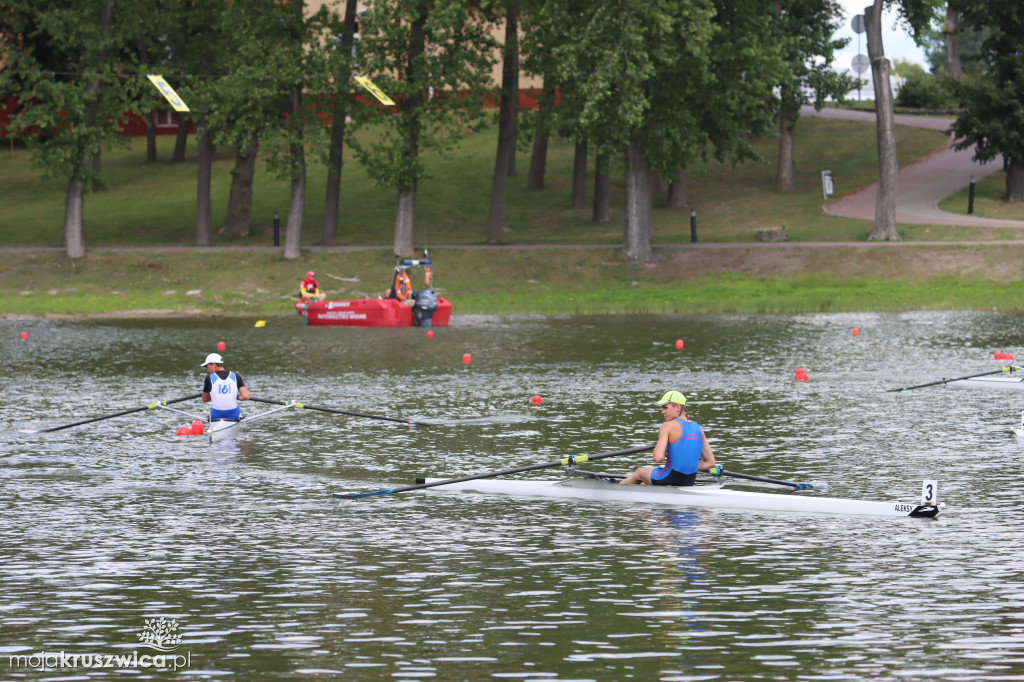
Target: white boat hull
<point>222,429</point>
<point>697,496</point>
<point>1009,382</point>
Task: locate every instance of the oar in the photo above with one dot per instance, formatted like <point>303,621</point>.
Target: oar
<point>151,406</point>
<point>1010,368</point>
<point>303,406</point>
<point>762,479</point>
<point>263,323</point>
<point>572,460</point>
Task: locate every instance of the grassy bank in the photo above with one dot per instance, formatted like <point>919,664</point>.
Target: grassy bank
<point>258,285</point>
<point>154,203</point>
<point>152,206</point>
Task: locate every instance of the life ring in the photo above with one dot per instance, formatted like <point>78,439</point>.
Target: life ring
<point>402,286</point>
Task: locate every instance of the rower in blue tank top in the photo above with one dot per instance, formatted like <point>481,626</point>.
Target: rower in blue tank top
<point>682,449</point>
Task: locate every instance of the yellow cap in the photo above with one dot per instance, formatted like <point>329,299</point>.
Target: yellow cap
<point>672,397</point>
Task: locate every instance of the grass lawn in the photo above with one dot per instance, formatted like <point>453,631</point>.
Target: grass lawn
<point>154,204</point>
<point>989,200</point>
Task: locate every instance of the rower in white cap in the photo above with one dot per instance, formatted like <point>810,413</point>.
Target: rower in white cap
<point>223,389</point>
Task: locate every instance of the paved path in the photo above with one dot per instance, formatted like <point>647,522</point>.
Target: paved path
<point>922,184</point>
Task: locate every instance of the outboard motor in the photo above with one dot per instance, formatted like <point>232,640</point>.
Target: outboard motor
<point>423,309</point>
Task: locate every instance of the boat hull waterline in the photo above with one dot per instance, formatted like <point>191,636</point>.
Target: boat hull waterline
<point>697,496</point>
<point>368,312</point>
<point>222,429</point>
<point>1012,382</point>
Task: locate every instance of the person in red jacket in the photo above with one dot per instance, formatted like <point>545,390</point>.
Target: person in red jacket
<point>309,290</point>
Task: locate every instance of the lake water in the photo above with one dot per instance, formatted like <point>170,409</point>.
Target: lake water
<point>110,527</point>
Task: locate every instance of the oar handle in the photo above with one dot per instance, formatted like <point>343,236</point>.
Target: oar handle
<point>331,410</point>
<point>571,460</point>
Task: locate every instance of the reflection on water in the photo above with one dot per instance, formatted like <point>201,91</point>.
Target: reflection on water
<point>107,525</point>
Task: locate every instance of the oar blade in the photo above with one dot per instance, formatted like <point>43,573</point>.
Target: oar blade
<point>352,496</point>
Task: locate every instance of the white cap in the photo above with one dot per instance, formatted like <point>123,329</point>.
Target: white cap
<point>212,357</point>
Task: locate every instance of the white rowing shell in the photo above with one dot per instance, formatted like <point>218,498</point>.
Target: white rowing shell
<point>1008,382</point>
<point>697,496</point>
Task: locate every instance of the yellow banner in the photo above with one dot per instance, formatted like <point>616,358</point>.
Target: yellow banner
<point>374,90</point>
<point>168,92</point>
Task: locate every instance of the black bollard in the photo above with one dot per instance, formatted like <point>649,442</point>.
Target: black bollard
<point>693,225</point>
<point>970,198</point>
<point>277,229</point>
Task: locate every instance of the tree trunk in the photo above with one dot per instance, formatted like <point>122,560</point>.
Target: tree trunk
<point>74,233</point>
<point>504,159</point>
<point>181,140</point>
<point>951,38</point>
<point>97,172</point>
<point>151,137</point>
<point>405,220</point>
<point>296,214</point>
<point>297,203</point>
<point>539,157</point>
<point>677,190</point>
<point>1015,180</point>
<point>332,199</point>
<point>238,222</point>
<point>602,173</point>
<point>636,219</point>
<point>885,206</point>
<point>784,171</point>
<point>204,173</point>
<point>579,176</point>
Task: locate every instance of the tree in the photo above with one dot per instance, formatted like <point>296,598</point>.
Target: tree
<point>805,30</point>
<point>68,91</point>
<point>334,56</point>
<point>433,57</point>
<point>885,205</point>
<point>507,129</point>
<point>993,121</point>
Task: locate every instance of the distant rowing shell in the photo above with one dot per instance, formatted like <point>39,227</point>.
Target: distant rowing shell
<point>1003,382</point>
<point>697,496</point>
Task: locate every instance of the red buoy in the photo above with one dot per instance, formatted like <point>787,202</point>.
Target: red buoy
<point>801,375</point>
<point>466,358</point>
<point>536,400</point>
<point>430,334</point>
<point>24,335</point>
<point>183,431</point>
<point>221,345</point>
<point>679,344</point>
<point>856,331</point>
<point>197,428</point>
<point>998,355</point>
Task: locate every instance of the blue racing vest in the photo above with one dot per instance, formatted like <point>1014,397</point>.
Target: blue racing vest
<point>683,455</point>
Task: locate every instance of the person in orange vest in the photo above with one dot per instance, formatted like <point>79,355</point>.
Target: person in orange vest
<point>309,289</point>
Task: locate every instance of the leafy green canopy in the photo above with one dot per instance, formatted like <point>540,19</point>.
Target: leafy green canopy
<point>433,58</point>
